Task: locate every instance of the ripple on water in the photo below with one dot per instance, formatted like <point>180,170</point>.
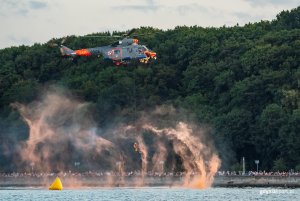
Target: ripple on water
<point>151,194</point>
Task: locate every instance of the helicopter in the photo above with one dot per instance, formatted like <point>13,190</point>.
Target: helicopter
<point>121,52</point>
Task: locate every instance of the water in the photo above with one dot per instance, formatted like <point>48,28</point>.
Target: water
<point>151,194</point>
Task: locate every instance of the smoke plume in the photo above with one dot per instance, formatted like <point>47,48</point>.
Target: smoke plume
<point>63,135</point>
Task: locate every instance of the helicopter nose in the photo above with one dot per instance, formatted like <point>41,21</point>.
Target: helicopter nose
<point>151,54</point>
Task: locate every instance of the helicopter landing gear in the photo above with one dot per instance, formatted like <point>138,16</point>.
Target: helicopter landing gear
<point>145,60</point>
<point>118,63</point>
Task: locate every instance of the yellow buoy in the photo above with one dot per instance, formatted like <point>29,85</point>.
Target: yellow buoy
<point>56,185</point>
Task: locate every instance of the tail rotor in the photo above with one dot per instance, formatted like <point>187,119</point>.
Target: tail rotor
<point>65,51</point>
<point>53,44</point>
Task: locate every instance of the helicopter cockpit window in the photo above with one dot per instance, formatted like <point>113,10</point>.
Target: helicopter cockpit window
<point>117,51</point>
<point>141,49</point>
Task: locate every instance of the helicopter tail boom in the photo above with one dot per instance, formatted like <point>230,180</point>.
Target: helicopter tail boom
<point>65,51</point>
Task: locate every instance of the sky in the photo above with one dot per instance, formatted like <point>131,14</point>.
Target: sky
<point>25,22</point>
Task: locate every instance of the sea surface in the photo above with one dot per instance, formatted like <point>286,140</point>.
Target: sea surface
<point>151,193</point>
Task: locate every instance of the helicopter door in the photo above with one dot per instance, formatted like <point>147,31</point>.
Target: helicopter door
<point>117,54</point>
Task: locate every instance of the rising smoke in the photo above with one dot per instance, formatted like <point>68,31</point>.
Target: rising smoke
<point>63,135</point>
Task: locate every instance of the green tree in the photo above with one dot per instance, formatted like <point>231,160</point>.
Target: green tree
<point>279,165</point>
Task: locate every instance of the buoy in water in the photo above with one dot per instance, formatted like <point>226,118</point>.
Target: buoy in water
<point>56,185</point>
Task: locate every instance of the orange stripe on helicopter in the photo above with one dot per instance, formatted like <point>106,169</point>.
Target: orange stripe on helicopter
<point>135,41</point>
<point>83,52</point>
<point>150,54</point>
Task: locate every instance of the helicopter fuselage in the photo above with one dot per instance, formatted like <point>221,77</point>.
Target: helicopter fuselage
<point>121,52</point>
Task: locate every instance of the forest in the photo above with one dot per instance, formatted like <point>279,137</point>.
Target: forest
<point>242,82</point>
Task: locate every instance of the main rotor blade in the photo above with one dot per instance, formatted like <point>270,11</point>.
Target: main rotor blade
<point>63,40</point>
<point>53,44</point>
<point>113,36</point>
<point>130,32</point>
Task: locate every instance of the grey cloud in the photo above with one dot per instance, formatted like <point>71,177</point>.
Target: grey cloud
<point>150,1</point>
<point>20,7</point>
<point>23,11</point>
<point>246,17</point>
<point>273,2</point>
<point>19,40</point>
<point>184,10</point>
<point>10,2</point>
<point>242,15</point>
<point>141,8</point>
<point>37,4</point>
<point>8,5</point>
<point>146,6</point>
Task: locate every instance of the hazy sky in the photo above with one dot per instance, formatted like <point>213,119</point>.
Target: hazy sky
<point>29,21</point>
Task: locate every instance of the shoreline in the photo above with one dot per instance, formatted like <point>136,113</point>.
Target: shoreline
<point>257,181</point>
<point>138,181</point>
